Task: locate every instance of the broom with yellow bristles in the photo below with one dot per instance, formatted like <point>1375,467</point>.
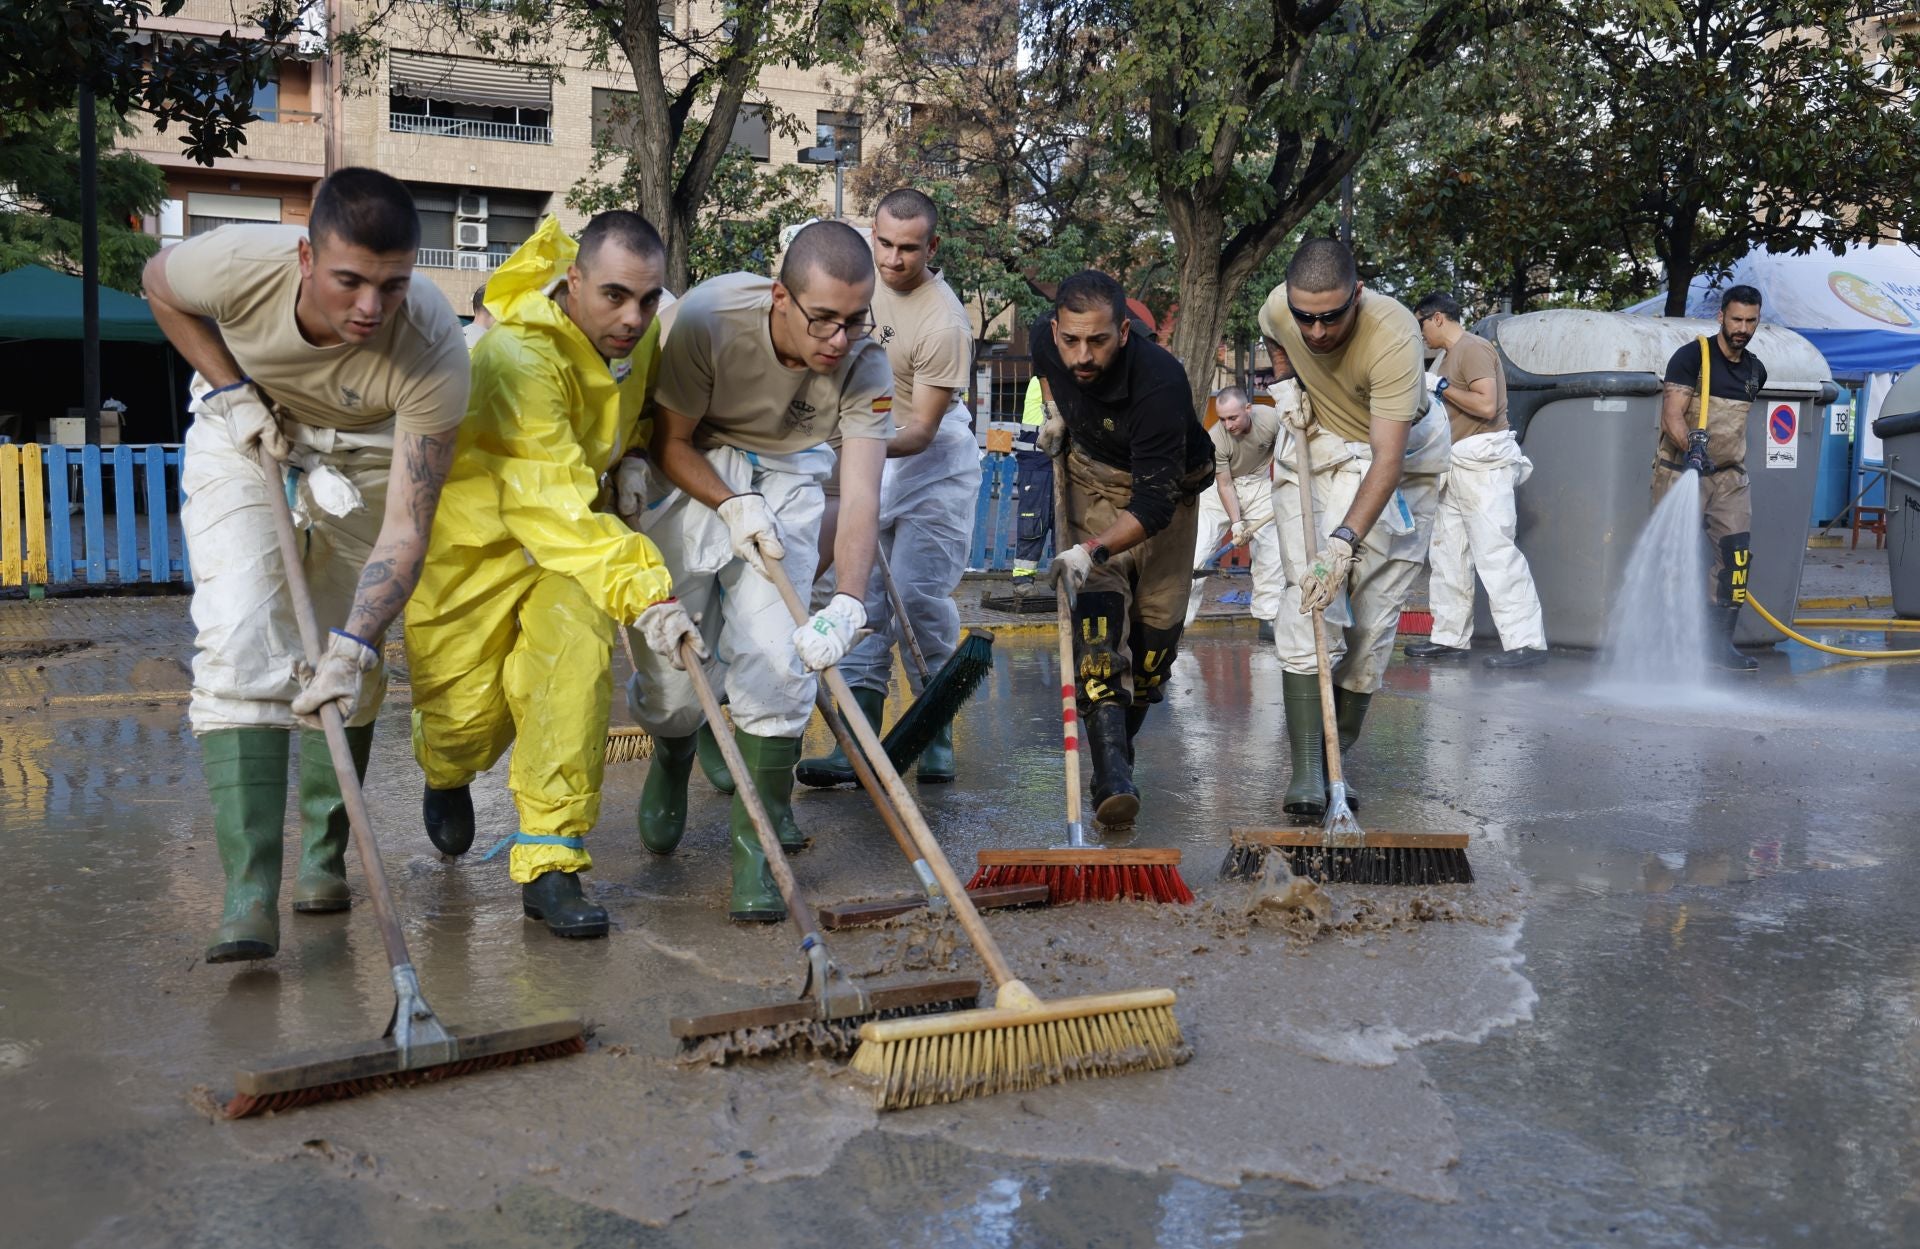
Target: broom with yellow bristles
<point>628,743</point>
<point>1021,1042</point>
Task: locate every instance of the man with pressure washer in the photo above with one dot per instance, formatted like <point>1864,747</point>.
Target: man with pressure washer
<point>1137,458</point>
<point>316,345</point>
<point>1724,377</point>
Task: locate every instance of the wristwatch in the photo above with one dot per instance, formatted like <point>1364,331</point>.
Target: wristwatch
<point>1347,536</point>
<point>1100,554</point>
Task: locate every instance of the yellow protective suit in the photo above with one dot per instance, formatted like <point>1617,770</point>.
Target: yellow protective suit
<point>509,632</point>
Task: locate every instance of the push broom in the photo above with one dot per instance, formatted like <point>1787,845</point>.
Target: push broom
<point>1020,1042</point>
<point>1341,851</point>
<point>1078,871</point>
<point>416,1048</point>
<point>831,1007</point>
<point>627,743</point>
<point>941,694</point>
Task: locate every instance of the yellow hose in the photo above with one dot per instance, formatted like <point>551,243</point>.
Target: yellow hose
<point>1804,640</point>
<point>1864,624</point>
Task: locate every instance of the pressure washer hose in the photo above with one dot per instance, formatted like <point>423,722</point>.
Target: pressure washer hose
<point>1804,640</point>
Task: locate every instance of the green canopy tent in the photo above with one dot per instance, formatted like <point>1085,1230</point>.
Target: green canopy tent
<point>38,305</point>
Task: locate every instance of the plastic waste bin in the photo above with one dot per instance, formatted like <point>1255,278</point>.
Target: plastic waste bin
<point>1898,429</point>
<point>1584,392</point>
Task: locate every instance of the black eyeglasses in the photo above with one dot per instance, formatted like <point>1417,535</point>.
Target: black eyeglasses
<point>824,328</point>
<point>1325,318</point>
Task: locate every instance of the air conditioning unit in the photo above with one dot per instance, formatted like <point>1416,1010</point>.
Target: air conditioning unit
<point>470,234</point>
<point>472,260</point>
<point>471,206</point>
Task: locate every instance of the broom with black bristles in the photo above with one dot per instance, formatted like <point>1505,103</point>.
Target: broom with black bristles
<point>831,1008</point>
<point>1020,1042</point>
<point>416,1048</point>
<point>1079,871</point>
<point>1341,851</point>
<point>942,694</point>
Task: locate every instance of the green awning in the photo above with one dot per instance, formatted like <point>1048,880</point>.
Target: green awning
<point>36,302</point>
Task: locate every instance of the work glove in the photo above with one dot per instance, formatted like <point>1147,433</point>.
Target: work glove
<point>1240,533</point>
<point>1291,402</point>
<point>1328,576</point>
<point>332,489</point>
<point>1053,435</point>
<point>1072,566</point>
<point>1697,453</point>
<point>831,632</point>
<point>630,488</point>
<point>348,675</point>
<point>754,532</point>
<point>664,625</point>
<point>250,422</point>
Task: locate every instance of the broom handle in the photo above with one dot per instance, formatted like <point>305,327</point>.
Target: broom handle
<point>743,789</point>
<point>900,614</point>
<point>869,740</point>
<point>390,933</point>
<point>864,774</point>
<point>1069,703</point>
<point>1329,722</point>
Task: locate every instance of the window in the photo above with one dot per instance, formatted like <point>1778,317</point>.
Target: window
<point>666,15</point>
<point>841,130</point>
<point>507,220</point>
<point>464,97</point>
<point>614,122</point>
<point>209,212</point>
<point>750,130</point>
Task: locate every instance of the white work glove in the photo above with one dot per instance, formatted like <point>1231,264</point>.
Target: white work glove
<point>1328,576</point>
<point>332,489</point>
<point>347,676</point>
<point>630,489</point>
<point>826,638</point>
<point>753,531</point>
<point>664,625</point>
<point>1073,566</point>
<point>1053,435</point>
<point>1291,402</point>
<point>1437,384</point>
<point>250,422</point>
<point>1240,533</point>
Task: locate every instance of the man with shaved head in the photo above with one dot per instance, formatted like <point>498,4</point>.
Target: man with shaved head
<point>758,378</point>
<point>509,636</point>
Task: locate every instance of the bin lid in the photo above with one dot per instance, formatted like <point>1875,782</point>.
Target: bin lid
<point>1580,340</point>
<point>1900,410</point>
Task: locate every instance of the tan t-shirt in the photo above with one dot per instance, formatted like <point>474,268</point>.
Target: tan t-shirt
<point>1244,457</point>
<point>928,337</point>
<point>719,367</point>
<point>246,279</point>
<point>1376,373</point>
<point>1466,362</point>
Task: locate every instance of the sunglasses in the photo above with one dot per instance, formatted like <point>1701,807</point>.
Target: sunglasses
<point>1325,318</point>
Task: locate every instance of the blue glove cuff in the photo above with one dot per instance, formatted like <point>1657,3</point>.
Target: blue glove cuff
<point>244,381</point>
<point>356,637</point>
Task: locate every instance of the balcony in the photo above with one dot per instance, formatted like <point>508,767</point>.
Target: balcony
<point>449,258</point>
<point>461,128</point>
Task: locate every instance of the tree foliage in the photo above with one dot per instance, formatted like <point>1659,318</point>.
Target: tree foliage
<point>40,199</point>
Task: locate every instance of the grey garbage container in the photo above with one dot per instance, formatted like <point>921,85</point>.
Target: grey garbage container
<point>1584,393</point>
<point>1898,428</point>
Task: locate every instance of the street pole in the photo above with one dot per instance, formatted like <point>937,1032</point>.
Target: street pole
<point>89,266</point>
<point>838,213</point>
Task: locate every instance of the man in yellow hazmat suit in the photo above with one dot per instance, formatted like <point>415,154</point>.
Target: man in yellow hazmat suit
<point>510,631</point>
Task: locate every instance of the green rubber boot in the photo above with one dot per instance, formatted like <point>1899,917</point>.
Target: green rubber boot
<point>1306,796</point>
<point>936,761</point>
<point>833,769</point>
<point>770,762</point>
<point>320,886</point>
<point>246,771</point>
<point>663,798</point>
<point>1349,712</point>
<point>713,764</point>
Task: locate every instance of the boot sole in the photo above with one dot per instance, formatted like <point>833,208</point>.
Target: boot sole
<point>796,847</point>
<point>822,778</point>
<point>240,952</point>
<point>591,929</point>
<point>450,845</point>
<point>1118,811</point>
<point>757,917</point>
<point>936,778</point>
<point>323,906</point>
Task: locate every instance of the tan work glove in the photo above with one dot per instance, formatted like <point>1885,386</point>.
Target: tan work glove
<point>1072,566</point>
<point>1291,402</point>
<point>347,677</point>
<point>1053,435</point>
<point>664,625</point>
<point>1328,576</point>
<point>250,422</point>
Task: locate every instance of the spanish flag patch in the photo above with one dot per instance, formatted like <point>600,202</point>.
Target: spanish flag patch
<point>883,404</point>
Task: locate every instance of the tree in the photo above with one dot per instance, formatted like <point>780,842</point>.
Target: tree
<point>1674,140</point>
<point>690,80</point>
<point>50,49</point>
<point>40,200</point>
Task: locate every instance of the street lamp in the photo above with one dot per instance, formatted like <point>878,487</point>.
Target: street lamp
<point>826,154</point>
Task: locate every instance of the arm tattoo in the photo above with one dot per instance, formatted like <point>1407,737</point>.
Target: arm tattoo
<point>400,552</point>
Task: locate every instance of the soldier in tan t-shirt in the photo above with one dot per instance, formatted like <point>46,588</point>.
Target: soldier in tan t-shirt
<point>932,479</point>
<point>756,378</point>
<point>1378,450</point>
<point>1474,529</point>
<point>1240,504</point>
<point>317,346</point>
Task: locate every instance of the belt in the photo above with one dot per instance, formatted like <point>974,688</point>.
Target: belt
<point>1724,468</point>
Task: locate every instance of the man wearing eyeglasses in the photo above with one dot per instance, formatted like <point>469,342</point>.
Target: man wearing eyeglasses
<point>756,378</point>
<point>1378,449</point>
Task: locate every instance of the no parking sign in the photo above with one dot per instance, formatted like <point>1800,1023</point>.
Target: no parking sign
<point>1783,437</point>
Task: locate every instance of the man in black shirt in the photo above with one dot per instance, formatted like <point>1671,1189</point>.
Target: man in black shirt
<point>1137,458</point>
<point>1713,443</point>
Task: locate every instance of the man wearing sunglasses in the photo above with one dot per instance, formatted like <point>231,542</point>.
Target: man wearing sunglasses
<point>1378,449</point>
<point>756,378</point>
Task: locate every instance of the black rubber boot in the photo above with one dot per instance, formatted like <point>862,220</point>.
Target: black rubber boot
<point>770,763</point>
<point>1721,647</point>
<point>448,815</point>
<point>1115,801</point>
<point>320,886</point>
<point>246,771</point>
<point>713,764</point>
<point>1306,796</point>
<point>833,769</point>
<point>663,797</point>
<point>556,897</point>
<point>1349,712</point>
<point>1434,650</point>
<point>1136,716</point>
<point>936,761</point>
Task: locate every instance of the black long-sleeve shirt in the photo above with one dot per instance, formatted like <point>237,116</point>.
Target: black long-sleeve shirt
<point>1138,417</point>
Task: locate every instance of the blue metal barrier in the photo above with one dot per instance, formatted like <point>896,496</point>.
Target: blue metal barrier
<point>140,476</point>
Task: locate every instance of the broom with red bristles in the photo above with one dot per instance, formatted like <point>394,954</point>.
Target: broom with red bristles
<point>1079,872</point>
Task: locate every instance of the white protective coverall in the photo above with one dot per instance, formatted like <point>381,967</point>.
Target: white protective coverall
<point>1362,626</point>
<point>927,503</point>
<point>510,630</point>
<point>1255,493</point>
<point>1473,533</point>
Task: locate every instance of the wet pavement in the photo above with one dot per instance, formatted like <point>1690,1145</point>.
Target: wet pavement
<point>1676,1008</point>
